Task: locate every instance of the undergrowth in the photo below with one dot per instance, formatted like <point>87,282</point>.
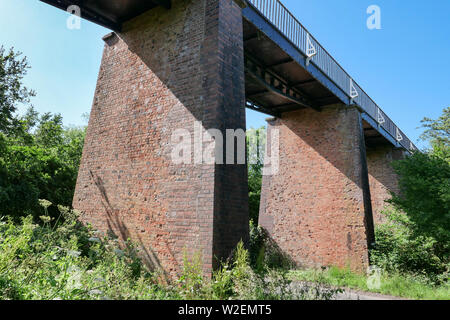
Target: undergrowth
<point>62,259</point>
<point>394,284</point>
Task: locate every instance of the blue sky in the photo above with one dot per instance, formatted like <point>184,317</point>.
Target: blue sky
<point>404,67</point>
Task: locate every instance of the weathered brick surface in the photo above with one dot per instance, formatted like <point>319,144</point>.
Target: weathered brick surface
<point>314,207</point>
<point>165,71</point>
<point>382,177</point>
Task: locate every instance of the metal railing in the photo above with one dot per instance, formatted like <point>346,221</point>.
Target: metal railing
<point>283,20</point>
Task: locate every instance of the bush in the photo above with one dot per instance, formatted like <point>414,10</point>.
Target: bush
<point>400,249</point>
<point>424,182</point>
<point>63,259</point>
<point>236,279</point>
<point>40,160</point>
<point>240,281</point>
<point>256,140</point>
<point>400,285</point>
<point>416,238</point>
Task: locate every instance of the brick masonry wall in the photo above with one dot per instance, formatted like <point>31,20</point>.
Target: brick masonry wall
<point>314,207</point>
<point>166,70</point>
<point>382,177</point>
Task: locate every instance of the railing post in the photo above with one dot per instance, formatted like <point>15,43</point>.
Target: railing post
<point>311,51</point>
<point>398,135</point>
<point>294,31</point>
<point>353,92</point>
<point>380,118</point>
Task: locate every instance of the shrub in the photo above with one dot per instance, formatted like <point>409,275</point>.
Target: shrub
<point>192,284</point>
<point>41,164</point>
<point>416,238</point>
<point>400,249</point>
<point>424,182</point>
<point>235,279</point>
<point>65,260</point>
<point>256,140</point>
<point>39,157</point>
<point>240,281</point>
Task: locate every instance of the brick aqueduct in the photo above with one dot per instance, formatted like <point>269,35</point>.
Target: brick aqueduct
<point>169,64</point>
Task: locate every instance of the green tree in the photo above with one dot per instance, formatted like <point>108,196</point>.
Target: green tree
<point>438,134</point>
<point>424,181</point>
<point>39,157</point>
<point>256,140</point>
<point>12,92</point>
<point>418,240</point>
<point>41,163</point>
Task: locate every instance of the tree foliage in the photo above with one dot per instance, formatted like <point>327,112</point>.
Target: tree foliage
<point>40,162</point>
<point>401,248</point>
<point>418,240</point>
<point>256,141</point>
<point>438,134</point>
<point>65,260</point>
<point>424,181</point>
<point>39,157</point>
<point>12,92</point>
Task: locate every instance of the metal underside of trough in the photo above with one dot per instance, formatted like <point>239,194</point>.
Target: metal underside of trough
<point>278,77</point>
<point>110,13</point>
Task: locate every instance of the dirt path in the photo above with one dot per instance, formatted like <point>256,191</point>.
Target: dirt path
<point>360,295</point>
<point>347,294</point>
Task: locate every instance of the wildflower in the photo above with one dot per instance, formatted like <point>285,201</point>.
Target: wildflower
<point>95,292</point>
<point>45,219</point>
<point>74,253</point>
<point>44,203</point>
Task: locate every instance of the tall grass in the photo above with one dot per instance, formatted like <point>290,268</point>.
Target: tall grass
<point>400,285</point>
<point>62,259</point>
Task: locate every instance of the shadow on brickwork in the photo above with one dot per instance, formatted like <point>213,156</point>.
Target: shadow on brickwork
<point>336,136</point>
<point>115,224</point>
<point>379,160</point>
<point>338,130</point>
<point>264,251</point>
<point>194,82</point>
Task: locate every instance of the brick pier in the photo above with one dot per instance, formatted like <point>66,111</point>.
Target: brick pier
<point>317,208</point>
<point>166,70</point>
<point>382,177</point>
<point>175,66</point>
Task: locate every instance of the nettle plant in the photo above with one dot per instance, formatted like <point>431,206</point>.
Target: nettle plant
<point>62,259</point>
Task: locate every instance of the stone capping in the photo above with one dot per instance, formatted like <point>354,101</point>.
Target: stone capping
<point>108,36</point>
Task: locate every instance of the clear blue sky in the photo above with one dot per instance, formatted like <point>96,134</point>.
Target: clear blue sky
<point>404,67</point>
